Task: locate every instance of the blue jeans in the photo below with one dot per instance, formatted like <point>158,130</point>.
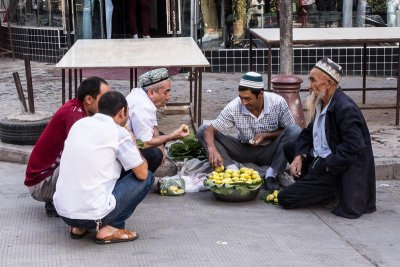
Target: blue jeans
<point>128,193</point>
<point>88,6</point>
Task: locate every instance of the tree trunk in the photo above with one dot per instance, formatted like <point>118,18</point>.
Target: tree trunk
<point>286,33</point>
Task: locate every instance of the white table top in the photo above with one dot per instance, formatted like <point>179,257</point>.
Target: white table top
<point>332,35</point>
<point>134,53</point>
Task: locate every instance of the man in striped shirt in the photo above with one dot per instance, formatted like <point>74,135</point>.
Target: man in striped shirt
<point>265,125</point>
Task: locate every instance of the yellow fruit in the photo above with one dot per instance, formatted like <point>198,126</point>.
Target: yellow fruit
<point>173,188</point>
<point>180,191</point>
<point>227,181</point>
<point>243,169</point>
<point>235,179</point>
<point>270,197</point>
<point>229,171</point>
<point>185,128</point>
<point>276,192</point>
<point>214,173</point>
<point>227,175</point>
<point>220,169</point>
<point>276,200</point>
<point>249,172</point>
<point>257,180</point>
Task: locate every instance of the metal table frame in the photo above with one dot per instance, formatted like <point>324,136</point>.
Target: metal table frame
<point>193,59</point>
<point>335,36</point>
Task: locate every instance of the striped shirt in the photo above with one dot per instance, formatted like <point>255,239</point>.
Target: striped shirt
<point>275,115</point>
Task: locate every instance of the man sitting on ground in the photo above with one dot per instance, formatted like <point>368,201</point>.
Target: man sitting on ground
<point>153,92</point>
<point>43,166</point>
<point>265,125</point>
<point>332,158</point>
<point>90,193</point>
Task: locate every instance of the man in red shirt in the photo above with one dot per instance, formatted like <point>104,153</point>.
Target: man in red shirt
<point>43,166</point>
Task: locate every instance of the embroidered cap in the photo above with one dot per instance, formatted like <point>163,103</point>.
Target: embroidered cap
<point>331,68</point>
<point>252,80</point>
<point>152,77</point>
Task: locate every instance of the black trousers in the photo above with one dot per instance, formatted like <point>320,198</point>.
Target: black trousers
<point>153,156</point>
<point>316,186</point>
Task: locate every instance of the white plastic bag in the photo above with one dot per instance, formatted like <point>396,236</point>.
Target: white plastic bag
<point>194,172</point>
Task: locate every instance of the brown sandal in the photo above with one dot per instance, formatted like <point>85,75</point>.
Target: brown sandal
<point>116,237</point>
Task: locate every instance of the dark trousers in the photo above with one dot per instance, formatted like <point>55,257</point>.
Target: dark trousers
<point>231,149</point>
<point>145,7</point>
<point>316,186</point>
<point>154,157</point>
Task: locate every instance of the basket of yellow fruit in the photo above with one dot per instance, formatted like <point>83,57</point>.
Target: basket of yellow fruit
<point>234,185</point>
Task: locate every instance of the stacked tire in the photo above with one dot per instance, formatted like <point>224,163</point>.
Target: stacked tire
<point>21,132</point>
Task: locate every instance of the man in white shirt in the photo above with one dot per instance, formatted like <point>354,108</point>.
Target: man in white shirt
<point>153,92</point>
<point>90,194</point>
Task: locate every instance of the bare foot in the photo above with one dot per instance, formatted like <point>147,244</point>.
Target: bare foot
<point>77,231</point>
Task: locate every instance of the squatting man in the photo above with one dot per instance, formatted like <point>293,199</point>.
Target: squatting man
<point>265,125</point>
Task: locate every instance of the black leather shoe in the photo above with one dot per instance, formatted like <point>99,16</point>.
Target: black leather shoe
<point>271,183</point>
<point>50,210</point>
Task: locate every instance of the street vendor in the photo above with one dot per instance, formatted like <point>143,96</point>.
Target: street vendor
<point>43,165</point>
<point>265,125</point>
<point>153,93</point>
<point>332,158</point>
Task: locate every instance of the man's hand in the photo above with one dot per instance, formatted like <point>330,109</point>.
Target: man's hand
<point>260,138</point>
<point>295,167</point>
<point>215,158</point>
<point>181,132</point>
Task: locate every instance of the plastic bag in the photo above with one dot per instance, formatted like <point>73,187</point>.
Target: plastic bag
<point>171,186</point>
<point>194,172</point>
<point>195,182</point>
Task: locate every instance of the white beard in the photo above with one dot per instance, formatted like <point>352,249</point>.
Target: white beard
<point>311,104</point>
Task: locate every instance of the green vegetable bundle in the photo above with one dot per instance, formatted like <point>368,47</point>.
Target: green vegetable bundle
<point>188,147</point>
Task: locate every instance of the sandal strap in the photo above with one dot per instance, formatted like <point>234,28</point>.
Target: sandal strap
<point>118,234</point>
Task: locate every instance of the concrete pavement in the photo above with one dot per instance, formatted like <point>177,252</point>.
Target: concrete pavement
<point>198,230</point>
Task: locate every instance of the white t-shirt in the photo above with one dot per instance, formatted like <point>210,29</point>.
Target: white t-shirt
<point>142,114</point>
<point>94,152</point>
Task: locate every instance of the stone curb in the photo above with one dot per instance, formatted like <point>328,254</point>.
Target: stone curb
<point>384,168</point>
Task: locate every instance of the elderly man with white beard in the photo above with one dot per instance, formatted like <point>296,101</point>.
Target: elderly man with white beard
<point>332,158</point>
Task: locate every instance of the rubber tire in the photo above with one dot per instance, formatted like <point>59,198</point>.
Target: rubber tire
<point>21,132</point>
